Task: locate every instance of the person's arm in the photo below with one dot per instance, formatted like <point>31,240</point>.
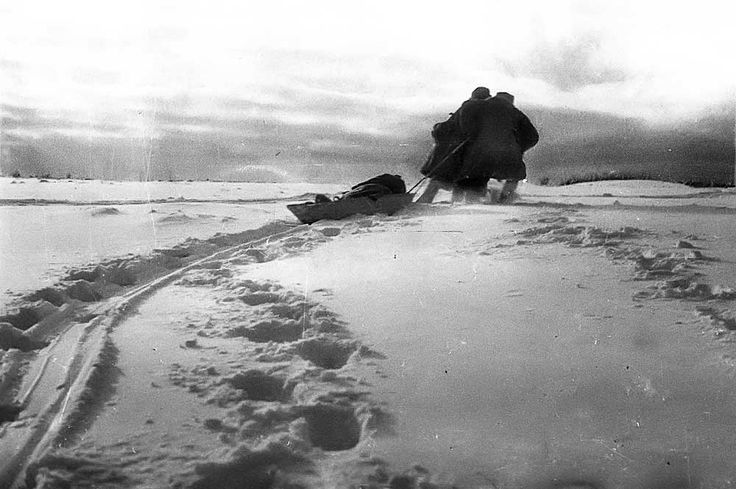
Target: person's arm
<point>445,129</point>
<point>526,135</point>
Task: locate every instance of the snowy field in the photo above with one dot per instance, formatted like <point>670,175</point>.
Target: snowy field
<point>581,337</point>
<point>49,227</point>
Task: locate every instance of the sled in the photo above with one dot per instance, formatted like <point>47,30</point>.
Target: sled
<point>310,212</point>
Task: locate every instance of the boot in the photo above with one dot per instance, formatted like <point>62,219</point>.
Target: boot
<point>509,187</point>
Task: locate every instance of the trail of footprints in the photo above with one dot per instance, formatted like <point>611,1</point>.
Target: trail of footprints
<point>277,414</point>
<point>283,329</point>
<point>293,386</point>
<point>672,273</point>
<point>298,390</point>
<point>91,284</point>
<point>303,397</point>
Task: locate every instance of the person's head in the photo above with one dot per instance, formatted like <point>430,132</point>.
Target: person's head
<point>505,96</point>
<point>480,93</point>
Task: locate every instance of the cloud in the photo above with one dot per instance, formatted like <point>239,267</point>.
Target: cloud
<point>240,142</point>
<point>30,121</point>
<point>568,64</point>
<point>178,145</point>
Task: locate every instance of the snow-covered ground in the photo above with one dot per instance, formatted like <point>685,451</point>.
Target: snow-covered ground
<point>49,227</point>
<point>581,337</point>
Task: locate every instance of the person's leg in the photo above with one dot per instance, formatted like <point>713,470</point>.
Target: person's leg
<point>509,187</point>
<point>479,190</point>
<point>458,194</point>
<point>470,190</point>
<point>429,193</point>
<point>475,194</point>
<point>459,190</point>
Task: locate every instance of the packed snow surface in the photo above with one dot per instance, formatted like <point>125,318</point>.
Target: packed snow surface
<point>48,227</point>
<point>580,337</point>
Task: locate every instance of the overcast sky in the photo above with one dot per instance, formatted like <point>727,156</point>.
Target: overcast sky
<point>358,64</point>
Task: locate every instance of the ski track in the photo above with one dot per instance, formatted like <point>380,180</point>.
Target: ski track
<point>319,405</point>
<point>168,200</point>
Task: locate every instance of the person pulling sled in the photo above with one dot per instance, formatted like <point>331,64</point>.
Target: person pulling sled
<point>485,138</point>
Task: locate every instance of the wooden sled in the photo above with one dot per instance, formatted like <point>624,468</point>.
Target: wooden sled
<point>310,212</point>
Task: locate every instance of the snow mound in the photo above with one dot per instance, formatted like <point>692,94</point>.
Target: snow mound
<point>176,218</point>
<point>258,385</point>
<point>686,288</point>
<point>619,188</point>
<point>253,468</point>
<point>12,337</point>
<point>326,352</point>
<point>332,427</point>
<point>576,235</point>
<point>722,319</point>
<point>105,211</point>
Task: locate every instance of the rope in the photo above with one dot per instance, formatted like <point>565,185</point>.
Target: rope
<point>439,164</point>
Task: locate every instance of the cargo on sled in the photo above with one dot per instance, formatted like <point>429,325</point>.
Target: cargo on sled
<point>384,194</point>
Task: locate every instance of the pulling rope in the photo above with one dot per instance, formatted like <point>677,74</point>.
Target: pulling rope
<point>434,171</point>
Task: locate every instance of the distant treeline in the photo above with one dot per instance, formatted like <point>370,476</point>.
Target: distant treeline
<point>699,152</point>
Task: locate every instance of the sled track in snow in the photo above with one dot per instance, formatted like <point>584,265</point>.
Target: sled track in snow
<point>81,350</point>
<point>168,200</point>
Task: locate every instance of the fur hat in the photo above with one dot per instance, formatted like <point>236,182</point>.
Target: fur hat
<point>480,93</point>
<point>505,96</point>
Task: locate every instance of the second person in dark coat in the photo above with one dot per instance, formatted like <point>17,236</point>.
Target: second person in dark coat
<point>499,134</point>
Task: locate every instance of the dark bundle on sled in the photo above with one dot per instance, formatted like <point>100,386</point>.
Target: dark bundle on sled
<point>376,187</point>
<point>384,194</point>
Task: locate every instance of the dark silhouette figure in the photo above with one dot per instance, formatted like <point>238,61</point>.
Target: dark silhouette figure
<point>485,138</point>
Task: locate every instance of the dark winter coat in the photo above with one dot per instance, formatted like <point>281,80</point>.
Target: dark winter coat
<point>499,134</point>
<point>442,164</point>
